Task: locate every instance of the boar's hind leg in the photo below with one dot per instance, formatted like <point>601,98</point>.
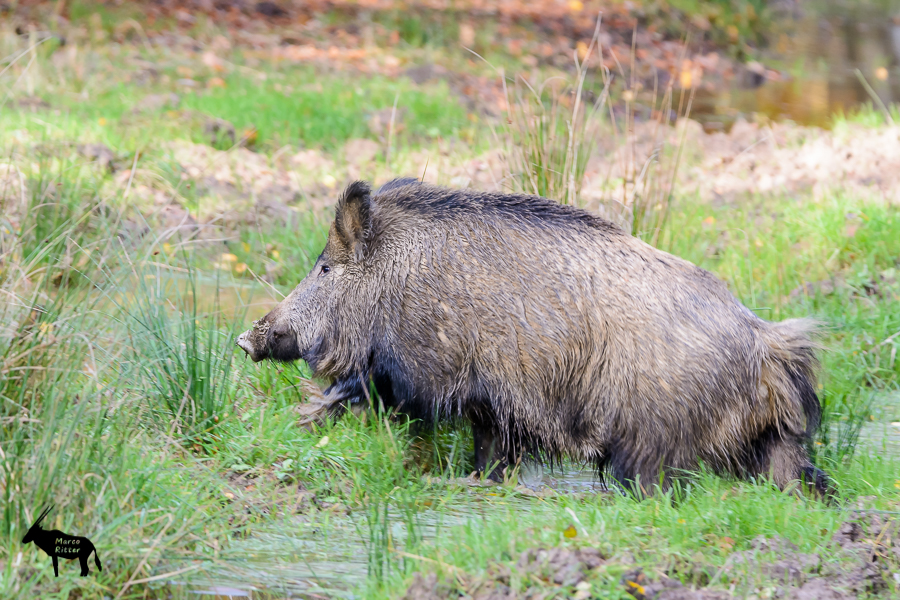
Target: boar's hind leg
<point>636,478</point>
<point>489,459</point>
<point>783,458</point>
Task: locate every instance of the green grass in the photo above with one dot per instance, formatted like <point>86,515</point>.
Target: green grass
<point>186,359</point>
<point>866,115</point>
<point>696,534</point>
<point>293,105</point>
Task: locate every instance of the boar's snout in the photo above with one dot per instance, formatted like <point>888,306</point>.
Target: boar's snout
<point>246,343</point>
<point>270,337</point>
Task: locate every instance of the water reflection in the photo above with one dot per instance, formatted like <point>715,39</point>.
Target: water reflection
<point>565,478</point>
<point>209,293</point>
<point>883,436</point>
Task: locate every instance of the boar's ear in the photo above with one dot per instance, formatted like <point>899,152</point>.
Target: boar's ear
<point>353,219</point>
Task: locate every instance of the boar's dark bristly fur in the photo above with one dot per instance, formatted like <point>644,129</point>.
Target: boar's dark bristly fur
<point>550,330</point>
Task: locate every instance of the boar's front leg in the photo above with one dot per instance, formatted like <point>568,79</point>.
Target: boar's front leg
<point>344,393</point>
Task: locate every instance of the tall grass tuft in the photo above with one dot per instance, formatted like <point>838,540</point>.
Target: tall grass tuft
<point>553,130</point>
<point>185,354</point>
<point>69,407</point>
<point>648,159</point>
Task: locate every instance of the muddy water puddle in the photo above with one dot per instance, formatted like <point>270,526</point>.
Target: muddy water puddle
<point>227,298</point>
<point>328,557</point>
<point>251,301</point>
<point>565,479</point>
<point>291,559</point>
<point>300,558</point>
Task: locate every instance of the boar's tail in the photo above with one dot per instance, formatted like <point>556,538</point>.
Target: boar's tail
<point>790,372</point>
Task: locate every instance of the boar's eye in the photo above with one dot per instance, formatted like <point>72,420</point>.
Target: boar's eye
<point>325,269</point>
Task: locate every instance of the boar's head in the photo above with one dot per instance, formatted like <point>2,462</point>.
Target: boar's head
<point>323,320</point>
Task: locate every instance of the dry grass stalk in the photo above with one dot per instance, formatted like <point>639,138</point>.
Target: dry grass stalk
<point>647,171</point>
<point>550,131</point>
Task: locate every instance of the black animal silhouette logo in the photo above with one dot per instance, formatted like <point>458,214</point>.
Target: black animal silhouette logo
<point>58,544</point>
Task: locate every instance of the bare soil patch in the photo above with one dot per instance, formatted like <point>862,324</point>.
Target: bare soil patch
<point>719,167</point>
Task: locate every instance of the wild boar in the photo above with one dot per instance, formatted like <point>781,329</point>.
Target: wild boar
<point>552,332</point>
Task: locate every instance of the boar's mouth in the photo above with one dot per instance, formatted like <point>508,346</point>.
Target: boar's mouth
<point>245,343</point>
<point>263,341</point>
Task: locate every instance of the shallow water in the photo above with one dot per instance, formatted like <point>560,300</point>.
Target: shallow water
<point>292,558</point>
<point>882,436</point>
<point>231,299</point>
<point>300,557</point>
<point>566,479</point>
<point>808,74</point>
